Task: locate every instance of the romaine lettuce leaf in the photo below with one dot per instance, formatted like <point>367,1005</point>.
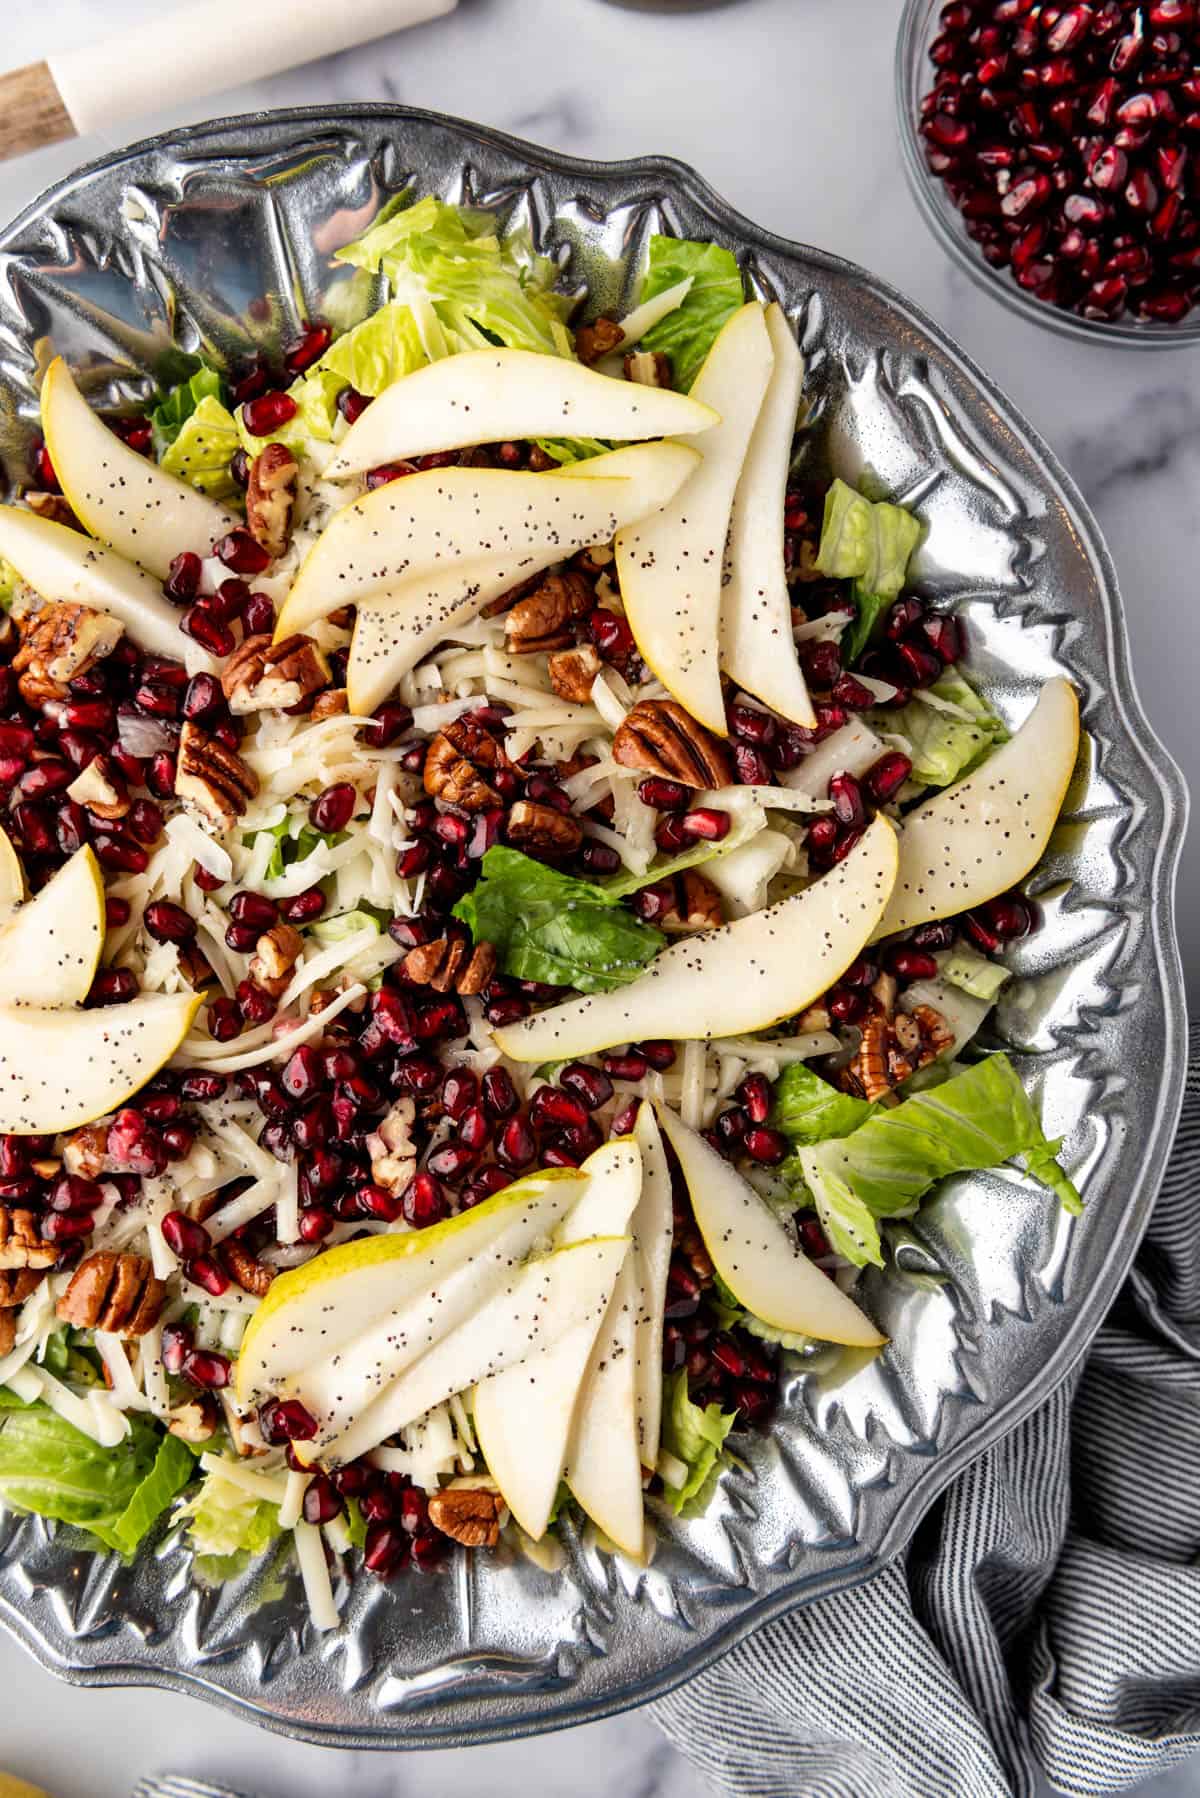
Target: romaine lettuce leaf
<point>687,334</point>
<point>204,447</point>
<point>868,541</point>
<point>227,1525</point>
<point>552,927</point>
<point>368,358</point>
<point>695,1435</point>
<point>945,745</point>
<point>809,1110</point>
<point>870,609</point>
<point>980,1118</point>
<point>49,1467</point>
<point>177,405</point>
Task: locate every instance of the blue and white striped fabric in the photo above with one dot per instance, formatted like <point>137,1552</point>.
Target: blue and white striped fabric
<point>1046,1616</point>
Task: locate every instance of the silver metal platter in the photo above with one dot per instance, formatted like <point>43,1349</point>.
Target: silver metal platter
<point>218,239</point>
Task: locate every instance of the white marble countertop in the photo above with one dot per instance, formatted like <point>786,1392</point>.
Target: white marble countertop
<point>786,107</point>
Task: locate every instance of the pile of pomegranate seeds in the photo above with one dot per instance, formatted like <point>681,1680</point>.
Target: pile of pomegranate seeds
<point>1068,137</point>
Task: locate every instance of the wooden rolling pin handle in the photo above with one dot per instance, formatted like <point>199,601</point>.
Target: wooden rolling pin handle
<point>31,111</point>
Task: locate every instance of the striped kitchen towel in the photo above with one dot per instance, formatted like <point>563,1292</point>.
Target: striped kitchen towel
<point>1047,1614</point>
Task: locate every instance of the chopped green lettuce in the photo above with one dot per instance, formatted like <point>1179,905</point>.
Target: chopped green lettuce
<point>848,1223</point>
<point>552,927</point>
<point>979,1118</point>
<point>695,1435</point>
<point>178,404</point>
<point>868,541</point>
<point>946,745</point>
<point>788,1339</point>
<point>346,924</point>
<point>226,1526</point>
<point>10,582</point>
<point>368,358</point>
<point>808,1110</point>
<point>293,845</point>
<point>973,973</point>
<point>688,333</point>
<point>203,449</point>
<point>117,1494</point>
<point>870,609</point>
<point>565,450</point>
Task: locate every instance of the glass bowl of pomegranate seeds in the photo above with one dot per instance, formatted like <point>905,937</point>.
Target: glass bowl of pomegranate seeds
<point>1055,152</point>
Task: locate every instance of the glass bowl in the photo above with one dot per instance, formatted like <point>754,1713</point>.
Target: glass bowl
<point>918,28</point>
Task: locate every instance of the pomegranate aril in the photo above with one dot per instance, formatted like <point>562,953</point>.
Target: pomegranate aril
<point>43,468</point>
<point>352,404</point>
<point>516,1146</point>
<point>333,809</point>
<point>145,821</point>
<point>589,1085</point>
<point>599,859</point>
<point>378,1203</point>
<point>631,1066</point>
<point>549,1106</point>
<point>885,777</point>
<point>65,1226</point>
<point>1008,916</point>
<point>204,1367</point>
<point>388,722</point>
<point>452,1162</point>
<point>767,1146</point>
<point>907,963</point>
<point>846,1005</point>
<point>751,766</point>
<point>268,412</point>
<point>754,1094</point>
<point>705,824</point>
<point>286,1420</point>
<point>848,807</point>
<point>176,1345</point>
<point>851,693</point>
<point>498,1094</point>
<point>386,1551</point>
<point>663,795</point>
<point>70,1192</point>
<point>168,923</point>
<point>306,349</point>
<point>387,472</point>
<point>188,1239</point>
<point>224,1019</point>
<point>669,835</point>
<point>205,626</point>
<point>423,1201</point>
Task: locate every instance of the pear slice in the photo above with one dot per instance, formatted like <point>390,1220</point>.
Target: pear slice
<point>12,881</point>
<point>537,1305</point>
<point>739,978</point>
<point>60,563</point>
<point>322,1308</point>
<point>60,1069</point>
<point>671,566</point>
<point>653,1234</point>
<point>395,629</point>
<point>50,950</point>
<point>523,1416</point>
<point>122,498</point>
<point>980,837</point>
<point>604,1464</point>
<point>757,649</point>
<point>426,524</point>
<point>502,396</point>
<point>758,1260</point>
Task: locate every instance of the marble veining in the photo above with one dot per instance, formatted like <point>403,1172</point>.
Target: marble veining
<point>786,108</point>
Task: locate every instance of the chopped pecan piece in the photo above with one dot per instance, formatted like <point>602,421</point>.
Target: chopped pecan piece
<point>330,704</point>
<point>193,1421</point>
<point>52,506</point>
<point>883,993</point>
<point>115,1293</point>
<point>391,1148</point>
<point>8,1333</point>
<point>85,1151</point>
<point>17,1284</point>
<point>58,642</point>
<point>659,736</point>
<point>544,620</point>
<point>572,672</point>
<point>458,762</point>
<point>101,789</point>
<point>467,1514</point>
<point>21,1243</point>
<point>649,368</point>
<point>275,955</point>
<point>246,1270</point>
<point>448,963</point>
<point>260,674</point>
<point>815,1018</point>
<point>213,779</point>
<point>595,559</point>
<point>936,1034</point>
<point>271,497</point>
<point>600,338</point>
<point>535,826</point>
<point>892,1048</point>
<point>696,905</point>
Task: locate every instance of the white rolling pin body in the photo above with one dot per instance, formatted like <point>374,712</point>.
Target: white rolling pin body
<point>207,46</point>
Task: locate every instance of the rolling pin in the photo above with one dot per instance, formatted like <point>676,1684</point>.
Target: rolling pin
<point>200,48</point>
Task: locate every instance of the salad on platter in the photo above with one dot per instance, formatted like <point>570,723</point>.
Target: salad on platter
<point>502,880</point>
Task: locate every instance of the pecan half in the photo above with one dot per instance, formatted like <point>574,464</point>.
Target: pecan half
<point>535,826</point>
<point>696,904</point>
<point>247,1271</point>
<point>116,1293</point>
<point>449,963</point>
<point>544,620</point>
<point>58,642</point>
<point>659,736</point>
<point>391,1148</point>
<point>458,762</point>
<point>275,955</point>
<point>17,1284</point>
<point>598,339</point>
<point>271,497</point>
<point>467,1514</point>
<point>213,779</point>
<point>262,675</point>
<point>21,1243</point>
<point>572,672</point>
<point>8,1332</point>
<point>650,368</point>
<point>330,704</point>
<point>892,1048</point>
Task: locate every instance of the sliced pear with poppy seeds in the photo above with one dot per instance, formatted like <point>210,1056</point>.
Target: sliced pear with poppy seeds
<point>500,396</point>
<point>122,498</point>
<point>756,1257</point>
<point>981,836</point>
<point>12,880</point>
<point>739,978</point>
<point>61,1068</point>
<point>50,950</point>
<point>671,566</point>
